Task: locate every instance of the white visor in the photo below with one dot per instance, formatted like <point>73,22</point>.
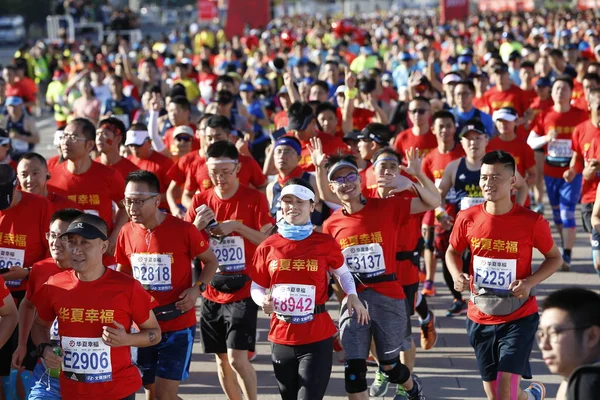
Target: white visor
<point>505,115</point>
<point>299,191</point>
<point>136,138</point>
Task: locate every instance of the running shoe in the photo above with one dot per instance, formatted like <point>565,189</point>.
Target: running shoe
<point>459,307</point>
<point>371,362</point>
<point>401,393</point>
<point>566,265</point>
<point>417,392</point>
<point>428,289</point>
<point>428,333</point>
<point>537,390</point>
<point>380,385</point>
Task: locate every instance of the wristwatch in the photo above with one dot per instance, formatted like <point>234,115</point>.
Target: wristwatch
<point>41,347</point>
<point>201,286</point>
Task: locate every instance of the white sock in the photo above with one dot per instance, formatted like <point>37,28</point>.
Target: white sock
<point>530,396</point>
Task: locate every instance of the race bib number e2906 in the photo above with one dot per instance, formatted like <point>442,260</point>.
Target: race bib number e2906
<point>294,301</point>
<point>365,259</point>
<point>86,360</point>
<point>493,273</point>
<point>230,253</point>
<point>153,271</point>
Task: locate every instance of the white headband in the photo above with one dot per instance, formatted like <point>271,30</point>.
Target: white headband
<point>148,193</point>
<point>212,161</point>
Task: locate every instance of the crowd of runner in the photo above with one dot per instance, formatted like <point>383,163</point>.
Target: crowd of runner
<point>268,173</point>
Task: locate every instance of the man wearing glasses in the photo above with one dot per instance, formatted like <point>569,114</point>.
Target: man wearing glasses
<point>420,135</point>
<point>569,339</point>
<point>464,110</point>
<point>502,315</point>
<point>157,249</point>
<point>90,184</point>
<point>238,220</point>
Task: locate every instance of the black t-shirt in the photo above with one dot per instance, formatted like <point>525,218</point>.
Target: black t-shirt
<point>584,383</point>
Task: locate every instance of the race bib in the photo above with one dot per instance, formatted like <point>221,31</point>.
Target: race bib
<point>54,330</point>
<point>153,271</point>
<point>468,202</point>
<point>11,258</point>
<point>365,259</point>
<point>493,273</point>
<point>19,146</point>
<point>86,360</point>
<point>294,301</point>
<point>92,212</point>
<point>230,253</point>
<point>560,148</point>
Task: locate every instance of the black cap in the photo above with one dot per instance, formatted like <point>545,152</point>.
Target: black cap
<point>299,116</point>
<point>368,134</point>
<point>8,182</point>
<point>473,126</point>
<point>351,136</point>
<point>85,230</point>
<point>500,68</point>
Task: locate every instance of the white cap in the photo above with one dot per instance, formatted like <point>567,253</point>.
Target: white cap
<point>185,61</point>
<point>183,130</point>
<point>340,89</point>
<point>136,138</point>
<point>451,78</point>
<point>299,191</point>
<point>57,138</point>
<point>505,114</point>
<point>546,46</point>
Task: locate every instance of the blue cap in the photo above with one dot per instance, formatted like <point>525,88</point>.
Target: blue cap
<point>309,80</point>
<point>464,59</point>
<point>565,33</point>
<point>543,82</point>
<point>14,101</point>
<point>246,87</point>
<point>262,81</point>
<point>367,50</point>
<point>261,71</point>
<point>405,56</point>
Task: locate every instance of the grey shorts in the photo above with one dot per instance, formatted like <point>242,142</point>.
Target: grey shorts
<point>387,327</point>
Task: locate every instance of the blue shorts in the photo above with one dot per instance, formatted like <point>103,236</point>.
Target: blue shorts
<point>560,192</point>
<point>45,387</point>
<point>504,347</point>
<point>170,359</point>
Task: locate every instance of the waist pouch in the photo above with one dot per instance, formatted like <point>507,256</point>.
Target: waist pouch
<point>229,283</point>
<point>495,302</point>
<point>167,312</point>
<point>319,309</point>
<point>560,162</point>
<point>414,256</point>
<point>358,279</point>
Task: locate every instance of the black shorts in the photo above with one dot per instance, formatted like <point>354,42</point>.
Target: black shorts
<point>228,326</point>
<point>6,352</point>
<point>586,216</point>
<point>504,347</point>
<point>411,293</point>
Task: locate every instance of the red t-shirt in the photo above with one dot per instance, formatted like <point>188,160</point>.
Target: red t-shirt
<point>41,271</point>
<point>94,190</point>
<point>369,180</point>
<point>479,103</point>
<point>123,166</point>
<point>368,239</point>
<point>406,139</point>
<point>541,105</point>
<point>20,89</point>
<point>361,117</point>
<point>83,309</point>
<point>250,174</point>
<point>508,237</point>
<point>279,261</point>
<point>180,168</point>
<point>3,291</point>
<point>159,165</point>
<point>530,96</point>
<point>331,145</point>
<point>578,95</point>
<point>589,187</point>
<point>564,124</point>
<point>247,206</point>
<point>518,148</point>
<point>169,139</point>
<point>23,230</point>
<point>60,202</point>
<point>514,97</point>
<point>53,162</point>
<point>160,261</point>
<point>281,120</point>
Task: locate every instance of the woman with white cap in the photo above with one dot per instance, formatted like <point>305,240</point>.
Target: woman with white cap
<point>293,265</point>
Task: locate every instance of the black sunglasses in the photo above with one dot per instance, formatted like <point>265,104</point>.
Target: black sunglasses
<point>183,138</point>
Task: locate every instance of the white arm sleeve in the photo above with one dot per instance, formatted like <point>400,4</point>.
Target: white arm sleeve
<point>257,293</point>
<point>536,141</point>
<point>345,277</point>
<point>157,142</point>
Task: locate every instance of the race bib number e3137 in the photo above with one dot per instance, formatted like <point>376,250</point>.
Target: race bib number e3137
<point>365,259</point>
<point>12,258</point>
<point>294,301</point>
<point>86,360</point>
<point>230,253</point>
<point>153,271</point>
<point>493,273</point>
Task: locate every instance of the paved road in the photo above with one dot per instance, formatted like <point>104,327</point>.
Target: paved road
<point>448,371</point>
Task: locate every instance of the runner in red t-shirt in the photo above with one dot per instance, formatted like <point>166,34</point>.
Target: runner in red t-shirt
<point>179,115</point>
<point>110,135</point>
<point>502,317</point>
<point>301,330</point>
<point>96,308</point>
<point>237,218</point>
<point>420,135</point>
<point>367,232</point>
<point>33,175</point>
<point>435,235</point>
<point>157,249</point>
<point>580,99</point>
<point>554,130</point>
<point>371,139</point>
<point>58,261</point>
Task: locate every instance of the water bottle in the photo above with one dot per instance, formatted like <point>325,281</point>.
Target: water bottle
<point>55,372</point>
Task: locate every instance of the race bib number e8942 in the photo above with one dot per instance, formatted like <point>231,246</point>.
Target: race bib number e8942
<point>295,301</point>
<point>86,360</point>
<point>230,253</point>
<point>365,259</point>
<point>493,273</point>
<point>153,271</point>
<point>11,258</point>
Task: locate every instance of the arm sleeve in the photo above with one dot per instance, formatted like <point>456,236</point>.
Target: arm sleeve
<point>157,142</point>
<point>536,141</point>
<point>258,293</point>
<point>345,277</point>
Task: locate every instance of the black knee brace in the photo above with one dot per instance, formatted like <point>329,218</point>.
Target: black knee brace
<point>356,376</point>
<point>428,241</point>
<point>398,374</point>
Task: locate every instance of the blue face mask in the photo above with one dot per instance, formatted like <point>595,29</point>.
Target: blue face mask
<point>294,232</point>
